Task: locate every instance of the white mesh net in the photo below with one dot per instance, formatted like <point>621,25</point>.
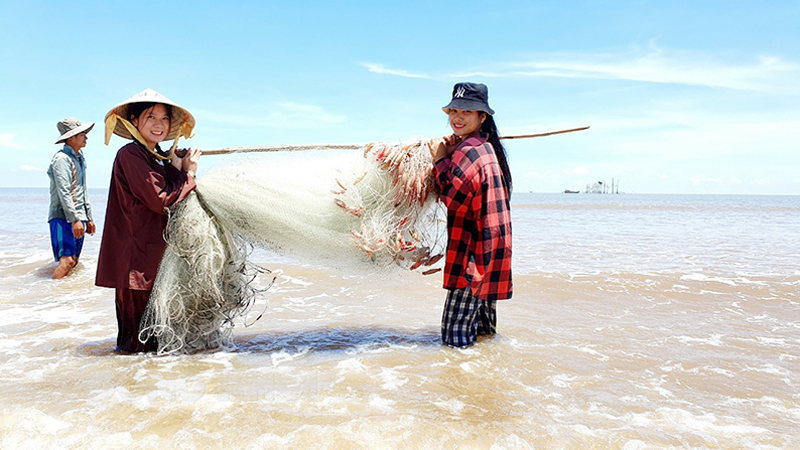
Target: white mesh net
<point>365,210</point>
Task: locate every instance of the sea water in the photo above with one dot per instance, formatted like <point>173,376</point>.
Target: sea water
<point>637,322</point>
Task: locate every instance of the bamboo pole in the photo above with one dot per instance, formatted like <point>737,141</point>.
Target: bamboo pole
<point>279,148</point>
<point>550,133</point>
<point>283,148</point>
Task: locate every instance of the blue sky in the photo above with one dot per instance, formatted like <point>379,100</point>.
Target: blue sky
<point>681,96</point>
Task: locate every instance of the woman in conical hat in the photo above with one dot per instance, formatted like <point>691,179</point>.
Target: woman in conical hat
<point>145,181</point>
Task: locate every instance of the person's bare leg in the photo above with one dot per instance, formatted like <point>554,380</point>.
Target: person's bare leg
<point>65,265</point>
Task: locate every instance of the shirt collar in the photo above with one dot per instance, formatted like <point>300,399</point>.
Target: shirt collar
<point>71,151</point>
<point>157,149</point>
<point>478,134</point>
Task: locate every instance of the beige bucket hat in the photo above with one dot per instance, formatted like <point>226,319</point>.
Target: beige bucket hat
<point>118,121</point>
<point>70,127</point>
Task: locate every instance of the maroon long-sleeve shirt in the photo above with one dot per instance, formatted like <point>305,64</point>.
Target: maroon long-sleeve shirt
<point>133,235</point>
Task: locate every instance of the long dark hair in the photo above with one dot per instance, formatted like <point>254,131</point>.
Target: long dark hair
<point>490,128</point>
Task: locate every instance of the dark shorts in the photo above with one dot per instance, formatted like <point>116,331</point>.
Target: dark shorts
<point>64,242</point>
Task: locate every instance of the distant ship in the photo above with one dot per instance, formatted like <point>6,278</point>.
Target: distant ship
<point>567,191</point>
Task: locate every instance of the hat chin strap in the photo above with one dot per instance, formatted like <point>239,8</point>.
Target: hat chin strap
<point>111,124</point>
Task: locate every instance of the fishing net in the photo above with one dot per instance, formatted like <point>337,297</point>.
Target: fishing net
<point>368,211</point>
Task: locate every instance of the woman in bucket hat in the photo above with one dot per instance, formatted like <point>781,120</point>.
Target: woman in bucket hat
<point>474,182</point>
<point>70,215</point>
<point>145,181</point>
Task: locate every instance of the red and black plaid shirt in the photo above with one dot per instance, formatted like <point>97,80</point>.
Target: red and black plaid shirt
<point>478,220</point>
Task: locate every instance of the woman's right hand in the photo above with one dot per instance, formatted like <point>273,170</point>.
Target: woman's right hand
<point>191,160</point>
<point>434,145</point>
<point>444,146</point>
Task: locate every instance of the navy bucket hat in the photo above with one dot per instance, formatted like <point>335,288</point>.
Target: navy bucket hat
<point>470,96</point>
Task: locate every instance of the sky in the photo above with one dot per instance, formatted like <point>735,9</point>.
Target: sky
<point>684,97</point>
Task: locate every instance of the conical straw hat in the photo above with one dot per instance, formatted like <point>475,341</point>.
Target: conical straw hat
<point>182,122</point>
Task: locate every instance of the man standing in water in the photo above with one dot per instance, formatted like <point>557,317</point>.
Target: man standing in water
<point>70,214</point>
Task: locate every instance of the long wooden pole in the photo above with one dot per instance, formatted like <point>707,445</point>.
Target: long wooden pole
<point>550,133</point>
<point>284,148</point>
<point>279,148</point>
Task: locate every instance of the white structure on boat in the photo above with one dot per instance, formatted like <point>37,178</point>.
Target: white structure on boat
<point>602,187</point>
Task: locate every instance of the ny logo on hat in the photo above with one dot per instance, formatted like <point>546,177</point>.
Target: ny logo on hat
<point>460,92</point>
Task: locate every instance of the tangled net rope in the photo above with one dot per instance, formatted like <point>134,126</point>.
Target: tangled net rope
<point>204,282</point>
<point>369,213</point>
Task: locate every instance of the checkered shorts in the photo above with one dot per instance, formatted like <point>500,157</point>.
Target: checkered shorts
<point>466,317</point>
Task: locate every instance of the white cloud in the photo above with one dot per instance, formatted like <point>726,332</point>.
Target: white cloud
<point>28,168</point>
<point>378,68</point>
<point>7,140</point>
<point>763,73</point>
<point>766,73</point>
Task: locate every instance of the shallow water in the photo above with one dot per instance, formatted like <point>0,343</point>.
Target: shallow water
<point>637,322</point>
